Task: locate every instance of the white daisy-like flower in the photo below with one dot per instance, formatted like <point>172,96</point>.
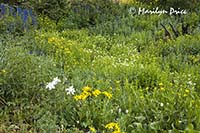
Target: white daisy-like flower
<point>56,80</point>
<point>70,90</point>
<point>51,85</point>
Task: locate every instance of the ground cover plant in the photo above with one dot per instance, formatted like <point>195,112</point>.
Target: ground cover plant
<point>95,70</point>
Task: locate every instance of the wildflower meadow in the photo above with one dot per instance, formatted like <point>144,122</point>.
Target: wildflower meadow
<point>100,66</point>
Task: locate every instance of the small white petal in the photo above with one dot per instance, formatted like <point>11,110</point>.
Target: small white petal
<point>56,80</point>
<point>50,86</point>
<point>119,110</point>
<point>127,111</point>
<point>70,90</point>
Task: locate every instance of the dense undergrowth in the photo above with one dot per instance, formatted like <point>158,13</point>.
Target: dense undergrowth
<point>119,74</point>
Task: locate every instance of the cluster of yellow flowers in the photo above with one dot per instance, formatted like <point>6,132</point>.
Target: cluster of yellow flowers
<point>55,40</point>
<point>110,126</point>
<point>114,126</point>
<point>87,92</point>
<point>59,45</point>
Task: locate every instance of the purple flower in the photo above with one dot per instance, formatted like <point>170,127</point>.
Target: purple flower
<point>3,10</point>
<point>19,11</point>
<point>25,15</point>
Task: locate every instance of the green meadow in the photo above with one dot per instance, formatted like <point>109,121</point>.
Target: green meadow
<point>97,66</point>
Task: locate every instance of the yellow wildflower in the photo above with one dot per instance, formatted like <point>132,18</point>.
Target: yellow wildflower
<point>96,92</point>
<point>77,97</point>
<point>187,90</point>
<point>110,125</point>
<point>3,71</point>
<point>114,126</point>
<point>107,94</point>
<point>51,39</point>
<point>87,93</point>
<point>160,84</point>
<point>84,95</point>
<point>87,88</point>
<point>162,89</point>
<point>92,129</point>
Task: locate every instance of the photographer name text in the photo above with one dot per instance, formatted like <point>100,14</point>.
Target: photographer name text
<point>157,11</point>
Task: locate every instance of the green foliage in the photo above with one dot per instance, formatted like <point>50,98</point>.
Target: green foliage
<point>54,9</point>
<point>11,25</point>
<point>184,4</point>
<point>78,14</point>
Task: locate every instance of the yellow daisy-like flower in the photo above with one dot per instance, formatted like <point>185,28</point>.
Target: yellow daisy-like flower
<point>92,129</point>
<point>87,88</point>
<point>96,92</point>
<point>114,126</point>
<point>110,125</point>
<point>107,94</point>
<point>77,97</point>
<point>86,94</point>
<point>83,96</point>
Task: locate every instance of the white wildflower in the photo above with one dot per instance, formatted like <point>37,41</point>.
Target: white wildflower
<point>161,104</point>
<point>51,85</point>
<point>189,82</point>
<point>56,80</point>
<point>70,90</point>
<point>119,110</point>
<point>126,111</point>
